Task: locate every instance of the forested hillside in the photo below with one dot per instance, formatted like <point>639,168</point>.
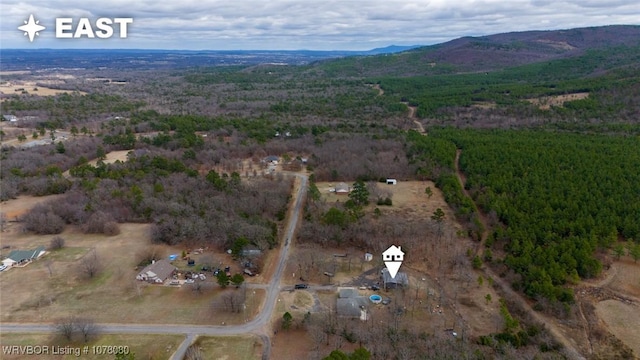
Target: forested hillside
<point>485,53</point>
<point>610,77</point>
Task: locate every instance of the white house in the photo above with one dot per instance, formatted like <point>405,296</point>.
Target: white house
<point>393,253</point>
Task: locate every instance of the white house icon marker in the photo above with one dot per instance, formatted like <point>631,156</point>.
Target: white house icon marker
<point>393,258</point>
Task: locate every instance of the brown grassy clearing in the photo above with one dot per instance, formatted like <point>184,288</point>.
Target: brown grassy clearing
<point>623,320</point>
<point>20,205</point>
<point>627,277</point>
<point>151,347</point>
<point>30,87</point>
<point>408,198</point>
<point>484,105</point>
<point>545,102</point>
<point>230,347</point>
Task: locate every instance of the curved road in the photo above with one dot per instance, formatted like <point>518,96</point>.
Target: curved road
<point>257,326</point>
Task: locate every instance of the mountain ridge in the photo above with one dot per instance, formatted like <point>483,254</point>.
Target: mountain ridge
<point>487,53</point>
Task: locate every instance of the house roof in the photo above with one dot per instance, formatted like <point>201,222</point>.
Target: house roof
<point>401,277</point>
<point>350,306</point>
<point>348,293</point>
<point>393,250</point>
<point>342,187</point>
<point>22,255</point>
<point>161,269</point>
<point>10,117</point>
<point>271,158</point>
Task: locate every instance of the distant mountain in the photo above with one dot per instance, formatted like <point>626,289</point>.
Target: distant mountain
<point>391,49</point>
<point>37,59</point>
<point>486,53</point>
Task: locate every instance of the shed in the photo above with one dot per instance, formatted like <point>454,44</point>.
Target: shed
<point>342,189</point>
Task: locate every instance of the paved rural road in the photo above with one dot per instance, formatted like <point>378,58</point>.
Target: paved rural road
<point>256,326</point>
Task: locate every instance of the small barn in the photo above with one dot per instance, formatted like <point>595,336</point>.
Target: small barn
<point>157,272</point>
<point>342,189</point>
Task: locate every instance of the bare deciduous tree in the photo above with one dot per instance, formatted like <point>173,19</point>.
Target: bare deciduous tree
<point>56,243</point>
<point>90,264</point>
<point>65,327</point>
<point>86,327</point>
<point>231,301</point>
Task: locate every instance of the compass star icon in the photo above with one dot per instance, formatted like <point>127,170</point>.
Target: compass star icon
<point>31,28</point>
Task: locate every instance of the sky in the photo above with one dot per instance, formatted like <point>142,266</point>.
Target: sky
<point>297,24</point>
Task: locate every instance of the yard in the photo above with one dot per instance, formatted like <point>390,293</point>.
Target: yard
<point>55,285</point>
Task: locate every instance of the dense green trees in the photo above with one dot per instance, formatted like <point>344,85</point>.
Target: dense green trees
<point>560,197</point>
<point>433,94</point>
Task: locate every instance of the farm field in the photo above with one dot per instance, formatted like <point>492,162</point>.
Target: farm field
<point>33,89</point>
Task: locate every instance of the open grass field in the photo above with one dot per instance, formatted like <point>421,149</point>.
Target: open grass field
<point>230,347</point>
<point>16,207</point>
<point>30,87</point>
<point>145,347</point>
<point>408,198</point>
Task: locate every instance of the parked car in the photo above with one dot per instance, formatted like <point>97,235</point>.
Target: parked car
<point>301,286</point>
<point>3,267</point>
<point>375,287</point>
<point>189,281</point>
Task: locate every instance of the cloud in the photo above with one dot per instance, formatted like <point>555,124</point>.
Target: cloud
<point>296,24</point>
